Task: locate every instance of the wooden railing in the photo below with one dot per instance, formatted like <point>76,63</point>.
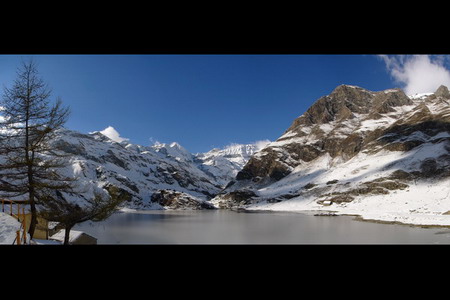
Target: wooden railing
<point>21,234</point>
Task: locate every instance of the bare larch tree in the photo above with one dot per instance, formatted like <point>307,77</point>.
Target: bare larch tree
<point>29,121</point>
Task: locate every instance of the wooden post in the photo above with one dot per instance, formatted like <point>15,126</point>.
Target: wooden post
<point>18,237</point>
<point>24,232</point>
<point>18,211</point>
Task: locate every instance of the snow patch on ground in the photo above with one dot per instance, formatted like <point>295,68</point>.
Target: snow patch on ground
<point>8,228</point>
<point>424,202</point>
<point>410,206</point>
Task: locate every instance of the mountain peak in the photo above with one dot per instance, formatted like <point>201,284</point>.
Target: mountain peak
<point>174,150</point>
<point>442,91</point>
<point>176,146</point>
<point>345,90</point>
<point>111,133</point>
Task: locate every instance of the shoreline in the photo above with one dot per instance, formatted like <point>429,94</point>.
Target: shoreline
<point>362,218</point>
<point>416,220</point>
<point>396,222</point>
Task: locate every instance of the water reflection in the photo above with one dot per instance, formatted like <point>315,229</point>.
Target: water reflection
<point>227,227</point>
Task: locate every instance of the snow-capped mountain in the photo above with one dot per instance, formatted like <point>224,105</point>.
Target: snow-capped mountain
<point>383,155</point>
<point>145,173</point>
<point>224,164</point>
<point>174,151</point>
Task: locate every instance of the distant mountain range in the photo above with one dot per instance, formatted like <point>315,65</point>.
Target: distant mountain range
<point>144,173</point>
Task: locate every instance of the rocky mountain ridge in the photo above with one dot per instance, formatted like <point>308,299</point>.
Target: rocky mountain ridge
<point>349,148</point>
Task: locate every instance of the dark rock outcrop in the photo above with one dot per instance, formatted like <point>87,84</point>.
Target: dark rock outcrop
<point>178,200</point>
<point>442,91</point>
<point>237,198</point>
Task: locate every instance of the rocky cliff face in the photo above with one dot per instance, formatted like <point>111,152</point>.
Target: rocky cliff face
<point>351,143</point>
<point>330,126</point>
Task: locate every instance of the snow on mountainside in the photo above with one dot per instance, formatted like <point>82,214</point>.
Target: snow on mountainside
<point>224,164</point>
<point>382,155</point>
<point>143,174</point>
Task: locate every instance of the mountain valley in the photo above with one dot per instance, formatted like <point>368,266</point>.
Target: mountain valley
<point>381,155</point>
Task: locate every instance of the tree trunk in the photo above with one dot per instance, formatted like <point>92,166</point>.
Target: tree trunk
<point>33,221</point>
<point>29,166</point>
<point>67,235</point>
<point>31,197</point>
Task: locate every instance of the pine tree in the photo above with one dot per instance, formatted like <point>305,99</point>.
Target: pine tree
<point>29,163</point>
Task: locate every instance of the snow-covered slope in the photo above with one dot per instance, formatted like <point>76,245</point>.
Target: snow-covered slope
<point>99,161</point>
<point>382,155</point>
<point>224,164</point>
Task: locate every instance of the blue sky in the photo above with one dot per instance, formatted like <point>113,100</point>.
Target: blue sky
<point>203,101</point>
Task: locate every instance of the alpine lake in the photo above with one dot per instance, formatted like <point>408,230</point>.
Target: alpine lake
<point>252,227</point>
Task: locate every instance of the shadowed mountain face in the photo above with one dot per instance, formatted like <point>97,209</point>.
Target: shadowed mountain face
<point>340,129</point>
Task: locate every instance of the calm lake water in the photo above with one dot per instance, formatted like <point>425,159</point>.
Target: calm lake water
<point>229,227</point>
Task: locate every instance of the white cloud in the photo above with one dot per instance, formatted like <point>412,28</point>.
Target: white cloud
<point>418,73</point>
<point>261,144</point>
<point>113,134</point>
